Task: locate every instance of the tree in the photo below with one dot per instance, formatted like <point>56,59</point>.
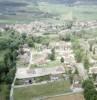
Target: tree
<point>10,44</point>
<point>69,25</point>
<point>62,60</point>
<point>9,77</point>
<point>70,76</point>
<point>38,39</point>
<point>4,43</point>
<point>86,62</point>
<point>91,45</point>
<point>76,72</point>
<point>2,71</point>
<point>94,51</point>
<point>79,55</point>
<point>24,35</point>
<point>89,90</point>
<point>52,55</point>
<point>15,54</point>
<point>94,76</point>
<point>30,43</point>
<point>67,37</point>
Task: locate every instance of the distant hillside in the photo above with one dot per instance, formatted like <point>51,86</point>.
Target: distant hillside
<point>12,3</point>
<point>4,3</point>
<point>14,11</point>
<point>73,2</point>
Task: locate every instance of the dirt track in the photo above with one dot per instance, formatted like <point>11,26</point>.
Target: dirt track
<point>68,97</point>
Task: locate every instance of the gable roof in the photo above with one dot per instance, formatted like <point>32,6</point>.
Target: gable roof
<point>37,72</point>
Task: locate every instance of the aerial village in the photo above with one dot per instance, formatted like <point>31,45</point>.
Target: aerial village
<point>55,61</point>
<point>60,55</point>
<point>48,50</point>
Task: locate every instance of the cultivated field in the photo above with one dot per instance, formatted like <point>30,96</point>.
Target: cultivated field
<point>28,93</point>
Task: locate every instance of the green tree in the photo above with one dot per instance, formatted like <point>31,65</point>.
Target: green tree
<point>76,72</point>
<point>24,36</point>
<point>69,24</point>
<point>94,77</point>
<point>91,45</point>
<point>9,42</point>
<point>90,92</point>
<point>79,55</point>
<point>52,55</point>
<point>70,76</point>
<point>86,62</point>
<point>30,43</point>
<point>67,37</point>
<point>62,60</point>
<point>94,51</point>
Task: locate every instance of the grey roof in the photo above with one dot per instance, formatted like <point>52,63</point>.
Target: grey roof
<point>37,72</point>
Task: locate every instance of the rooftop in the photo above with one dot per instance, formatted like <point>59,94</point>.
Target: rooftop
<point>93,70</point>
<point>37,72</point>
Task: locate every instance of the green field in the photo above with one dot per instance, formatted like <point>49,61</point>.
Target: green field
<point>28,93</point>
<point>3,91</point>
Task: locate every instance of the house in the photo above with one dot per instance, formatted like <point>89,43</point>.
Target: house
<point>93,70</point>
<point>93,74</point>
<point>54,73</point>
<point>60,45</point>
<point>76,81</point>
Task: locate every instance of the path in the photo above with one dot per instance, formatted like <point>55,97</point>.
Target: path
<point>27,85</point>
<point>82,71</point>
<point>12,88</point>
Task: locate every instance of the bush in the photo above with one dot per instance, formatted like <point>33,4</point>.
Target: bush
<point>62,60</point>
<point>90,92</point>
<point>86,62</point>
<point>52,55</point>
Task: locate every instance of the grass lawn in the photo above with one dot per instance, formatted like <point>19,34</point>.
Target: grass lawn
<point>28,93</point>
<point>4,91</point>
<point>68,97</point>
